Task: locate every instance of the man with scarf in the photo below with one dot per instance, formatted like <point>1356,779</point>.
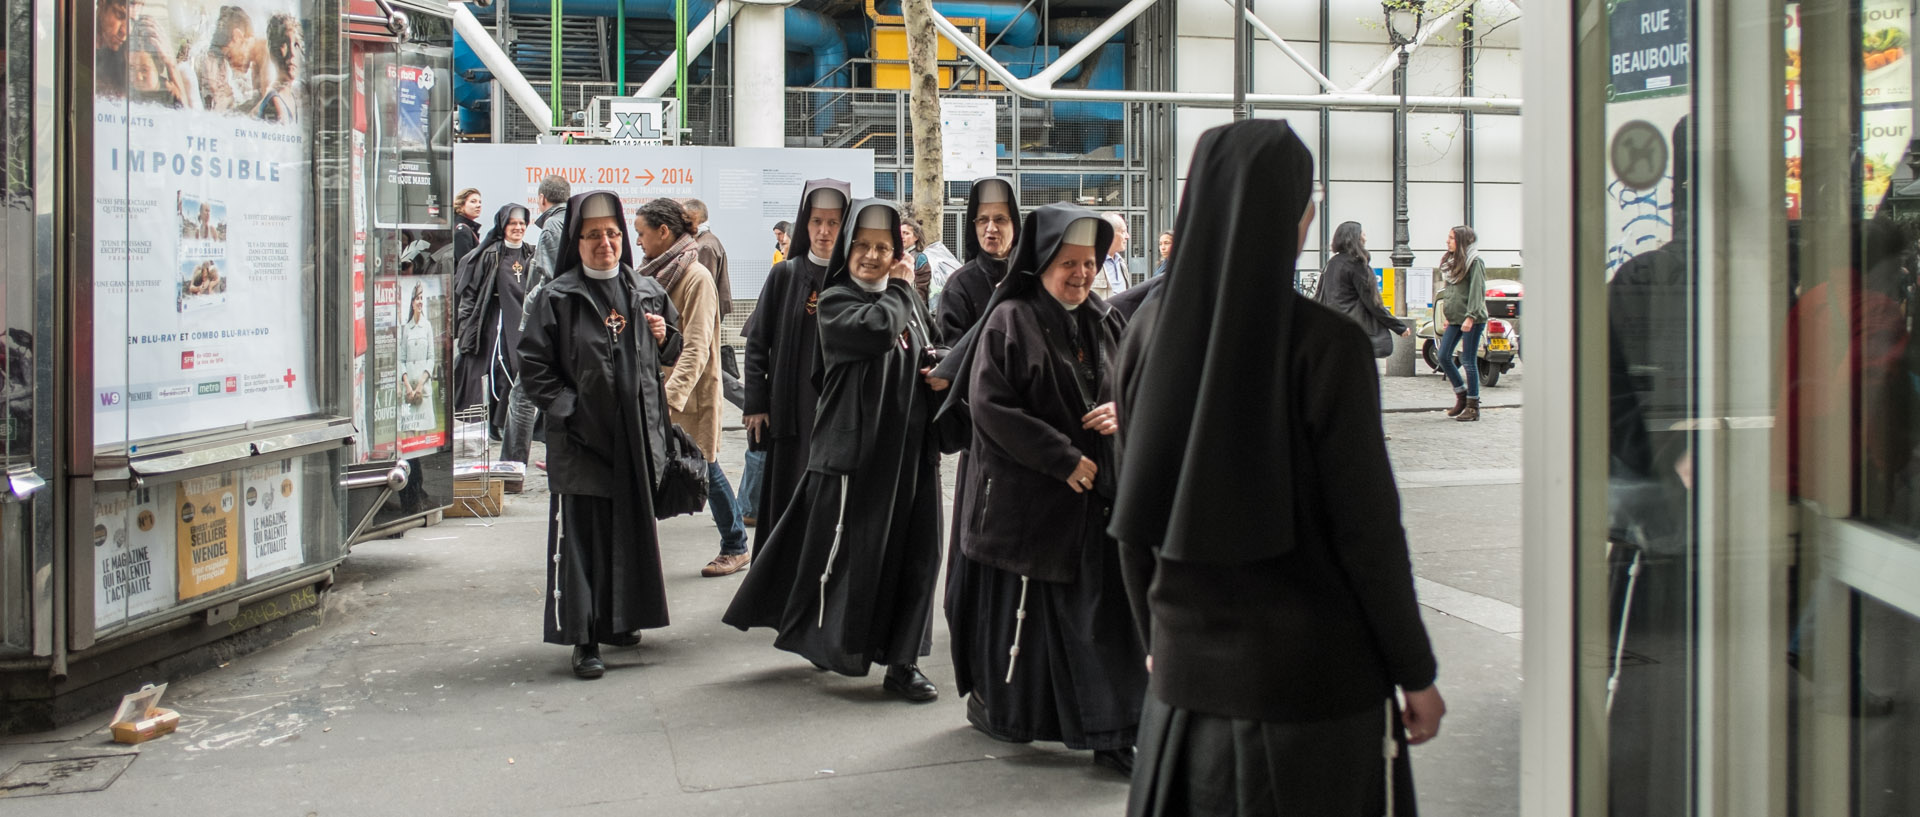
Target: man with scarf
<point>782,337</point>
<point>1276,599</point>
<point>1043,640</point>
<point>693,381</point>
<point>596,338</point>
<point>847,577</point>
<point>490,291</point>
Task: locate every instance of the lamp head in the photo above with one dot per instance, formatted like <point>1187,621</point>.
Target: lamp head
<point>1404,18</point>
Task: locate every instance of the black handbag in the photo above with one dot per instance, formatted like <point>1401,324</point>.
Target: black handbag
<point>683,485</point>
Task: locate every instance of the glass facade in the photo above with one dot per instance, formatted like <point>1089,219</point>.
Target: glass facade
<point>1731,597</point>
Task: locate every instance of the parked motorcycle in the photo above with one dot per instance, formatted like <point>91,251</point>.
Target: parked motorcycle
<point>1499,348</point>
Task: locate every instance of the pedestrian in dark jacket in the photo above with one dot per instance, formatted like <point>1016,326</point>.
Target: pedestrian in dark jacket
<point>596,338</point>
<point>523,420</point>
<point>1276,596</point>
<point>847,576</point>
<point>1043,642</point>
<point>1348,286</point>
<point>466,223</point>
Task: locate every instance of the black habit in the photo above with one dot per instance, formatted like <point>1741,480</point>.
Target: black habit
<point>490,290</point>
<point>589,362</point>
<point>1038,571</point>
<point>847,577</point>
<point>964,300</point>
<point>782,346</point>
<point>1259,521</point>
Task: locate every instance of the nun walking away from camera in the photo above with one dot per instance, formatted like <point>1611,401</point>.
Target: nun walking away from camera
<point>1044,644</point>
<point>847,577</point>
<point>1276,598</point>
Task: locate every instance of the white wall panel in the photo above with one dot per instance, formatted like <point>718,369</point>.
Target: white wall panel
<point>1498,217</point>
<point>1497,72</point>
<point>1203,65</point>
<point>1370,203</point>
<point>1274,73</point>
<point>1188,124</point>
<point>1432,209</point>
<point>1496,148</point>
<point>1362,145</point>
<point>1436,151</point>
<point>1204,18</point>
<point>1296,20</point>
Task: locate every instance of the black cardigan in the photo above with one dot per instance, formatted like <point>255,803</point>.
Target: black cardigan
<point>1347,286</point>
<point>1331,626</point>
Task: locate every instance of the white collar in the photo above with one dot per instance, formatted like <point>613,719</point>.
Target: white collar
<point>817,260</point>
<point>873,286</point>
<point>600,274</point>
<point>514,245</point>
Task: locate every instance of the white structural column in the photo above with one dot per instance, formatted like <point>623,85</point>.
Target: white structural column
<point>760,76</point>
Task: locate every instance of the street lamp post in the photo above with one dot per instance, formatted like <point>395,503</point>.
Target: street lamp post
<point>1404,18</point>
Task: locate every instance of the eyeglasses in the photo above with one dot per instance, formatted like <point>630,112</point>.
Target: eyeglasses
<point>870,248</point>
<point>997,221</point>
<point>598,236</point>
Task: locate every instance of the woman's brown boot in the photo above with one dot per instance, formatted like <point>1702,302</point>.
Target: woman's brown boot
<point>1459,404</point>
<point>1470,414</point>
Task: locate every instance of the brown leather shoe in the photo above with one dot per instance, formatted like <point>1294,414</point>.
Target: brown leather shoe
<point>725,565</point>
<point>749,520</point>
<point>1459,404</point>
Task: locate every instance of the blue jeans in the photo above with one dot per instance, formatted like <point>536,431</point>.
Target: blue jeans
<point>1470,353</point>
<point>750,483</point>
<point>726,513</point>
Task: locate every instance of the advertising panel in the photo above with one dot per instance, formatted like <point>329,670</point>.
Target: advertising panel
<point>202,202</point>
<point>412,163</point>
<point>207,536</point>
<point>272,511</point>
<point>967,138</point>
<point>133,563</point>
<point>747,190</point>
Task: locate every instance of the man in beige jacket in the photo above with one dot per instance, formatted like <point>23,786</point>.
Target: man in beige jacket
<point>664,234</point>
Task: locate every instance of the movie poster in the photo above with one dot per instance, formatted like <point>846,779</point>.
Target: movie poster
<point>133,562</point>
<point>271,510</point>
<point>202,228</point>
<point>208,534</point>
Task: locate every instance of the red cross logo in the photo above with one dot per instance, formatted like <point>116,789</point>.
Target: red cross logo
<point>289,378</point>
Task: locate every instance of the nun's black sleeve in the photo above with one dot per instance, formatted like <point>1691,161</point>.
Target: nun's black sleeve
<point>853,328</point>
<point>1006,366</point>
<point>1341,411</point>
<point>758,335</point>
<point>542,371</point>
<point>1137,568</point>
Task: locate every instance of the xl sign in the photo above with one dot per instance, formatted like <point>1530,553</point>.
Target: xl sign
<point>636,121</point>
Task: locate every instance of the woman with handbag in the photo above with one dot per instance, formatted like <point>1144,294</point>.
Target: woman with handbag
<point>1349,287</point>
<point>846,577</point>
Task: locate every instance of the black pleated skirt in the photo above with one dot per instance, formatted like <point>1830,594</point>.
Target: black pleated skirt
<point>1192,764</point>
<point>781,477</point>
<point>1081,673</point>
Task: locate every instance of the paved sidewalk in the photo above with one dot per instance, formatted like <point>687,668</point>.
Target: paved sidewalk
<point>427,691</point>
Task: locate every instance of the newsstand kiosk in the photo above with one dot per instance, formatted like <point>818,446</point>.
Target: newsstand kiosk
<point>228,266</point>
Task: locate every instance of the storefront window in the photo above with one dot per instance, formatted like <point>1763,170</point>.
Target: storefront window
<point>26,244</point>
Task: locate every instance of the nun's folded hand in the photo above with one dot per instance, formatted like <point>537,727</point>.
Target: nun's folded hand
<point>1422,713</point>
<point>658,326</point>
<point>938,383</point>
<point>902,270</point>
<point>1103,418</point>
<point>1081,480</point>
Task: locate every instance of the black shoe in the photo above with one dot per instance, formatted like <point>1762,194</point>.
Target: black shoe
<point>622,640</point>
<point>908,682</point>
<point>1119,760</point>
<point>587,663</point>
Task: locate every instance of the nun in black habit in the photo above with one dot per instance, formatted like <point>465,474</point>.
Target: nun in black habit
<point>1043,641</point>
<point>595,340</point>
<point>991,229</point>
<point>847,578</point>
<point>490,290</point>
<point>1258,519</point>
<point>782,340</point>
